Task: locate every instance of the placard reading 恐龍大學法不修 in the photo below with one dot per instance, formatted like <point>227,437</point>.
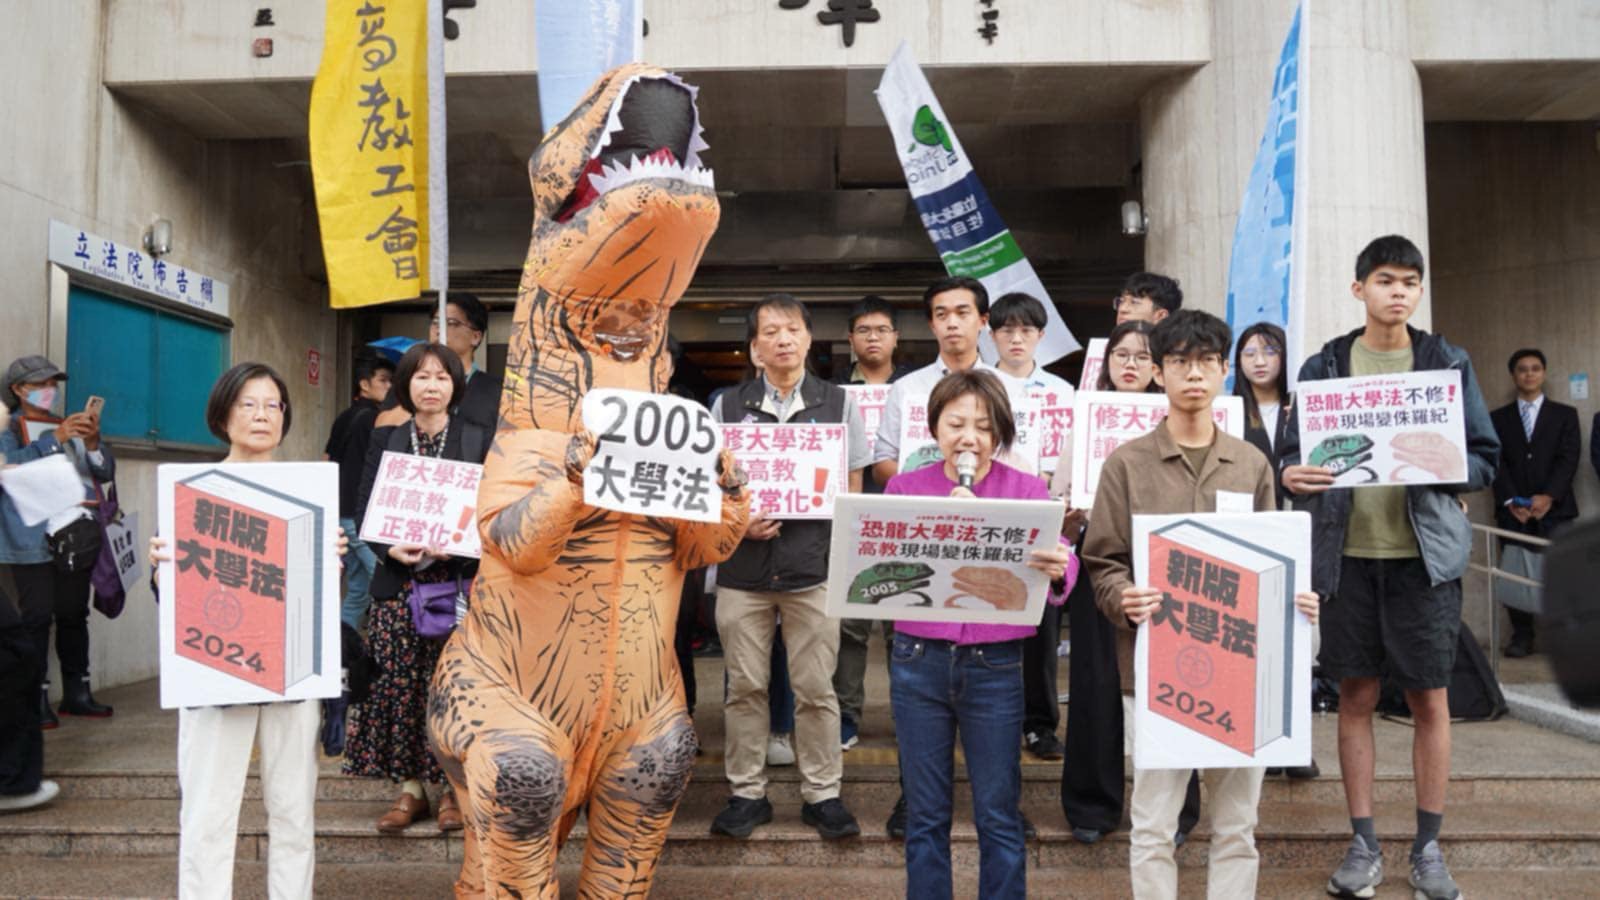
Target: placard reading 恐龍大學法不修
<point>939,559</point>
<point>1406,428</point>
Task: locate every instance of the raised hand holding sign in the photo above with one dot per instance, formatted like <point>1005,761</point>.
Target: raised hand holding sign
<point>655,455</point>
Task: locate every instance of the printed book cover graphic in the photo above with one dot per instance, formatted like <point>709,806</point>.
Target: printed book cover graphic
<point>248,602</point>
<point>1208,670</point>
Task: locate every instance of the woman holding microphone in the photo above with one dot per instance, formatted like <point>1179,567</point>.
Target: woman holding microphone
<point>950,677</point>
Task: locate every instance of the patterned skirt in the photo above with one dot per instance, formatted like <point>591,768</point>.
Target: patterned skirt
<point>389,730</point>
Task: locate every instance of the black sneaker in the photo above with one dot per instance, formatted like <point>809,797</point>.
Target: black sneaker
<point>1087,835</point>
<point>896,826</point>
<point>830,818</point>
<point>1044,745</point>
<point>741,817</point>
<point>1029,833</point>
<point>1302,773</point>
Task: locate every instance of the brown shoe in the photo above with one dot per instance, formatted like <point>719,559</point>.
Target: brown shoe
<point>406,810</point>
<point>449,813</point>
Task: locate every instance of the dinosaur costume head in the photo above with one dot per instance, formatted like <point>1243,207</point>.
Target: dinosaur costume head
<point>560,692</point>
<point>622,214</point>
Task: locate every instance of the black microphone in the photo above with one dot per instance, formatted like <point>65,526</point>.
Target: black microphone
<point>967,468</point>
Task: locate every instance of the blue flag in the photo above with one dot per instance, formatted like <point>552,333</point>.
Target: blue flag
<point>1266,273</point>
<point>578,41</point>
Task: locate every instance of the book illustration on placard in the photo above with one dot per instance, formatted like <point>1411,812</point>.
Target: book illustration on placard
<point>1208,670</point>
<point>249,596</point>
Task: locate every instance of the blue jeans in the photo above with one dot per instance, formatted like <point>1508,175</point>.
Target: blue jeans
<point>359,564</point>
<point>936,688</point>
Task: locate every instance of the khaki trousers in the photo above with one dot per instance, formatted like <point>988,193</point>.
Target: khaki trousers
<point>746,624</point>
<point>1231,799</point>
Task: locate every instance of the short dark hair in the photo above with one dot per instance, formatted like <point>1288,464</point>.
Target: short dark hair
<point>1187,332</point>
<point>1158,289</point>
<point>779,302</point>
<point>225,393</point>
<point>980,294</point>
<point>1511,364</point>
<point>368,365</point>
<point>873,305</point>
<point>1132,326</point>
<point>1389,250</point>
<point>471,307</point>
<point>412,361</point>
<point>1017,308</point>
<point>990,392</point>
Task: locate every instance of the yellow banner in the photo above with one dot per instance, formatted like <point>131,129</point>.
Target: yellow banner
<point>369,150</point>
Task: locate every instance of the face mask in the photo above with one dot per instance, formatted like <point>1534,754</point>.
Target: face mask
<point>43,398</point>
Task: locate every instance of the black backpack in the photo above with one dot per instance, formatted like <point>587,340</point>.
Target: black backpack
<point>1474,693</point>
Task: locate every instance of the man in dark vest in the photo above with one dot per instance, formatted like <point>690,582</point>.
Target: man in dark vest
<point>781,570</point>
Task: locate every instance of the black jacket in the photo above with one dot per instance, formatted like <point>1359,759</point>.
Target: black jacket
<point>1256,435</point>
<point>480,402</point>
<point>1444,535</point>
<point>1544,465</point>
<point>798,557</point>
<point>466,442</point>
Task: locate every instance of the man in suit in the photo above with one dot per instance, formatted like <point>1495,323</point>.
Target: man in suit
<point>1540,445</point>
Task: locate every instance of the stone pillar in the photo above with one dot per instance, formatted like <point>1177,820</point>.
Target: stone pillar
<point>1363,119</point>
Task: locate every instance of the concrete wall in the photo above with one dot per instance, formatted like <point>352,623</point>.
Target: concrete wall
<point>211,41</point>
<point>72,152</point>
<point>1515,221</point>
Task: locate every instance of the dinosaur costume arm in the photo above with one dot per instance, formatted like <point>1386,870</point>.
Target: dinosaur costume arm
<point>527,504</point>
<point>703,543</point>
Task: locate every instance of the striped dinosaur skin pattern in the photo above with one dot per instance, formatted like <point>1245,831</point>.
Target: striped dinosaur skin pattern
<point>560,691</point>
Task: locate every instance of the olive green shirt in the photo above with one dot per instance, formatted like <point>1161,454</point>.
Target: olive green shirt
<point>1379,525</point>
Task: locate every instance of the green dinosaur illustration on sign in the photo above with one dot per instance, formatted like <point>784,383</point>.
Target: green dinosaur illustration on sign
<point>928,131</point>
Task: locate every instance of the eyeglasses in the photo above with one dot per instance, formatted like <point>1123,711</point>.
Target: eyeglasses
<point>251,407</point>
<point>1123,357</point>
<point>449,324</point>
<point>1126,300</point>
<point>1263,352</point>
<point>864,331</point>
<point>1209,362</point>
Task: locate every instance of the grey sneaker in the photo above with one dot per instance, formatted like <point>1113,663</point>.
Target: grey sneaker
<point>1360,873</point>
<point>1430,880</point>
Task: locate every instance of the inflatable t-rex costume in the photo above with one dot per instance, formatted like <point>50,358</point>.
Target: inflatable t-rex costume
<point>560,691</point>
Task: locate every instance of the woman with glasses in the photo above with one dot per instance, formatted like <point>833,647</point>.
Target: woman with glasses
<point>1261,378</point>
<point>248,408</point>
<point>1092,775</point>
<point>389,738</point>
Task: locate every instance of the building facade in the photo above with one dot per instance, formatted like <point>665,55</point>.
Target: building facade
<point>1469,125</point>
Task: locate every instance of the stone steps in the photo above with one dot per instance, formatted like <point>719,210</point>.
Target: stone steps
<point>876,784</point>
<point>1494,834</point>
<point>37,876</point>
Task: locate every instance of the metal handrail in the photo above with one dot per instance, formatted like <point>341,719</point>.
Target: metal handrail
<point>1492,538</point>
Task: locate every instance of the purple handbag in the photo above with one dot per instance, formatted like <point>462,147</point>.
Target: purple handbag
<point>436,607</point>
<point>109,596</point>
